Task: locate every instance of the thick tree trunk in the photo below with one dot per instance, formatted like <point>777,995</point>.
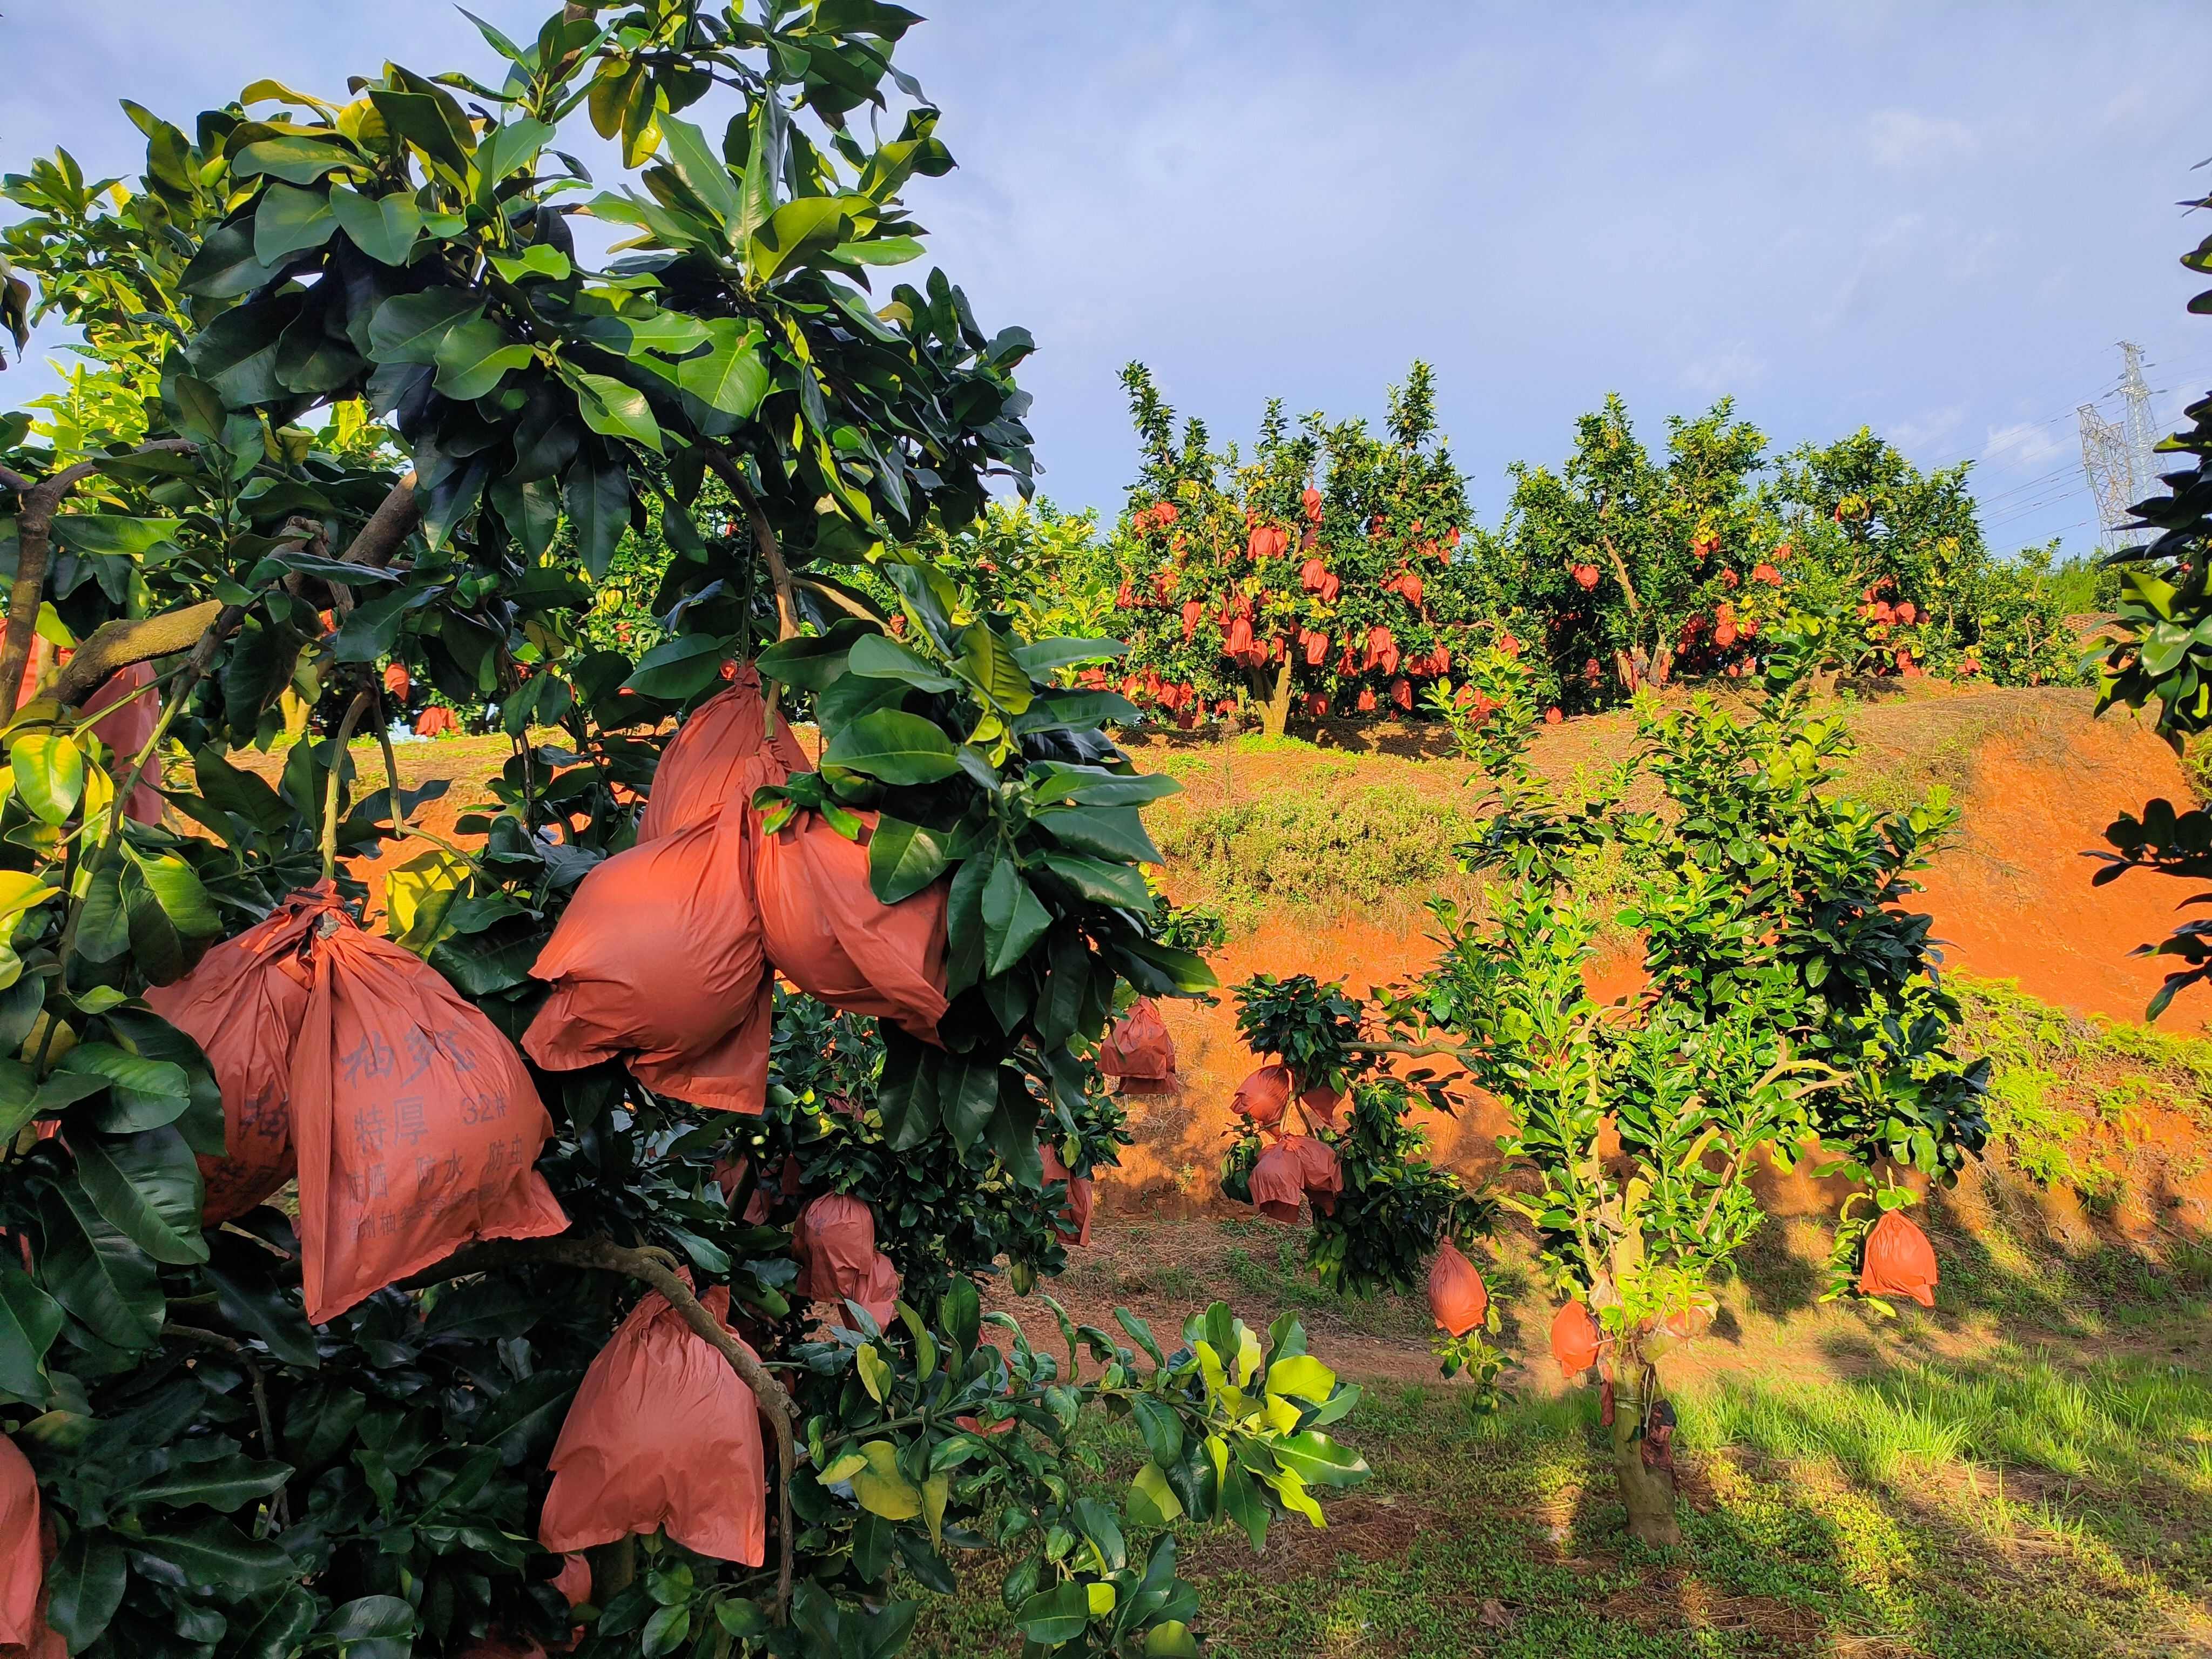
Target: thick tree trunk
<point>1644,1454</point>
<point>1275,713</point>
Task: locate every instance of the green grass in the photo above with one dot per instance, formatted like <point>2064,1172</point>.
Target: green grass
<point>2015,1509</point>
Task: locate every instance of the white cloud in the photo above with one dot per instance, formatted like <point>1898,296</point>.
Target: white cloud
<point>1924,433</point>
<point>1904,138</point>
<point>1726,373</point>
<point>2021,445</point>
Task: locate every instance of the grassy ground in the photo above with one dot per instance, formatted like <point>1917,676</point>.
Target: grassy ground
<point>1935,1486</point>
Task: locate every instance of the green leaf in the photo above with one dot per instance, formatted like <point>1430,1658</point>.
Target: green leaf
<point>508,149</point>
<point>1040,660</point>
<point>666,1630</point>
<point>475,356</point>
<point>903,859</point>
<point>225,268</point>
<point>224,1483</point>
<point>616,410</point>
<point>896,747</point>
<point>142,1094</point>
<point>1054,1616</point>
<point>368,1618</point>
<point>1319,1461</point>
<point>1170,1639</point>
<point>148,1186</point>
<point>1117,885</point>
<point>176,886</point>
<point>382,226</point>
<point>422,119</point>
<point>968,1095</point>
<point>1116,833</point>
<point>1013,920</point>
<point>49,773</point>
<point>540,259</point>
<point>879,657</point>
<point>988,663</point>
<point>108,1283</point>
<point>293,157</point>
<point>290,220</point>
<point>215,1555</point>
<point>811,225</point>
<point>85,1587</point>
<point>30,1320</point>
<point>678,669</point>
<point>278,1632</point>
<point>596,494</point>
<point>409,328</point>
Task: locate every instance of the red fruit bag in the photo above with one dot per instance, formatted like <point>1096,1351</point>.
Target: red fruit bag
<point>835,1240</point>
<point>23,1626</point>
<point>398,683</point>
<point>1319,1173</point>
<point>1576,1341</point>
<point>1321,1103</point>
<point>417,1126</point>
<point>1262,1096</point>
<point>723,753</point>
<point>826,931</point>
<point>436,721</point>
<point>662,1437</point>
<point>657,962</point>
<point>1082,1194</point>
<point>1139,1049</point>
<point>242,1004</point>
<point>1277,1183</point>
<point>1458,1299</point>
<point>1898,1262</point>
<point>125,733</point>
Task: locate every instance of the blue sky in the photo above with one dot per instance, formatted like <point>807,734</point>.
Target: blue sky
<point>1935,221</point>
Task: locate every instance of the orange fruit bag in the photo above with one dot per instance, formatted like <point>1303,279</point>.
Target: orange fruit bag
<point>1458,1299</point>
<point>1082,1194</point>
<point>723,753</point>
<point>23,1626</point>
<point>1139,1049</point>
<point>417,1126</point>
<point>242,1004</point>
<point>125,733</point>
<point>1899,1260</point>
<point>662,1436</point>
<point>825,931</point>
<point>834,1241</point>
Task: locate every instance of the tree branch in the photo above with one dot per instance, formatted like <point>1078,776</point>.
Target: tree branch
<point>118,644</point>
<point>778,575</point>
<point>276,1517</point>
<point>388,528</point>
<point>355,710</point>
<point>34,525</point>
<point>657,1268</point>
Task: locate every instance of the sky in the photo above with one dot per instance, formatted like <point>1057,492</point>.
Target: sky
<point>1935,221</point>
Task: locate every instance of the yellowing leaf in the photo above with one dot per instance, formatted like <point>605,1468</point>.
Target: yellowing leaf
<point>881,1489</point>
<point>20,892</point>
<point>1304,1375</point>
<point>1150,1487</point>
<point>843,1469</point>
<point>418,894</point>
<point>935,1491</point>
<point>875,1375</point>
<point>1101,1597</point>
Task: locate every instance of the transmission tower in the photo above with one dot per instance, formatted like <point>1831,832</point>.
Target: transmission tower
<point>2141,439</point>
<point>2111,470</point>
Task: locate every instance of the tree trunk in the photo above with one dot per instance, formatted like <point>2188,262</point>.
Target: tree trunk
<point>1275,713</point>
<point>1644,1454</point>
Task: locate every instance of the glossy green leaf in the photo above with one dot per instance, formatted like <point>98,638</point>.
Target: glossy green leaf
<point>677,670</point>
<point>288,220</point>
<point>108,1283</point>
<point>292,157</point>
<point>409,328</point>
<point>616,410</point>
<point>148,1186</point>
<point>382,226</point>
<point>894,747</point>
<point>879,657</point>
<point>797,230</point>
<point>30,1320</point>
<point>1114,833</point>
<point>904,858</point>
<point>84,1587</point>
<point>216,1555</point>
<point>1054,1616</point>
<point>474,356</point>
<point>987,662</point>
<point>1013,919</point>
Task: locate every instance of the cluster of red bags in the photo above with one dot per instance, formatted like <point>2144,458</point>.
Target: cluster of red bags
<point>1296,1167</point>
<point>834,1241</point>
<point>662,1436</point>
<point>663,957</point>
<point>436,721</point>
<point>1139,1049</point>
<point>411,1122</point>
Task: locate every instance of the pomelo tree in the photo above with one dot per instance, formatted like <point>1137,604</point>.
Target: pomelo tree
<point>308,286</point>
<point>1325,576</point>
<point>1792,1010</point>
